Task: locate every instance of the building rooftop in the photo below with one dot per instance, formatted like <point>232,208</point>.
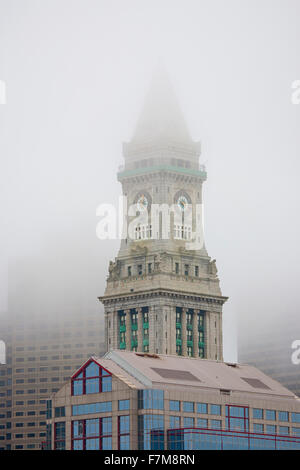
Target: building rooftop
<point>141,370</point>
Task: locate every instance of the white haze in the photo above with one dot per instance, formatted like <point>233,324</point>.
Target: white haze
<point>76,73</point>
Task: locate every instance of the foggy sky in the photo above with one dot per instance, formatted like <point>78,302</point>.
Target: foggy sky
<point>76,74</point>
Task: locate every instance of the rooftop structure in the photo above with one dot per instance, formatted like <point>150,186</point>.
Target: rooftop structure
<point>129,400</point>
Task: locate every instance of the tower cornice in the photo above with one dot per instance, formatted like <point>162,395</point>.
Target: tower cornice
<point>151,293</point>
<point>174,171</point>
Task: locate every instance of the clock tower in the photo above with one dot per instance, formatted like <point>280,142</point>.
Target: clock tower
<point>163,294</point>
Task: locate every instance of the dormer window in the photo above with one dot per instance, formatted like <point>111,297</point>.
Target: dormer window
<point>91,379</point>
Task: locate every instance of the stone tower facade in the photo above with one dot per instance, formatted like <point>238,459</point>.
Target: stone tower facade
<point>163,294</point>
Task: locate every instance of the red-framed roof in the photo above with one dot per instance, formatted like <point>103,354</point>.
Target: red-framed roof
<point>86,363</point>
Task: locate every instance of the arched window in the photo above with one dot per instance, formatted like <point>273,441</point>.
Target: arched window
<point>92,378</point>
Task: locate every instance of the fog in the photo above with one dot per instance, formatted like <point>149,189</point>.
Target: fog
<point>76,74</point>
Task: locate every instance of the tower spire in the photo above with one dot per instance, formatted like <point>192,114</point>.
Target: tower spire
<point>161,119</point>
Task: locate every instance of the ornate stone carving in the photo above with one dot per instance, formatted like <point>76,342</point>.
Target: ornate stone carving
<point>138,248</point>
<point>213,268</point>
<point>114,270</point>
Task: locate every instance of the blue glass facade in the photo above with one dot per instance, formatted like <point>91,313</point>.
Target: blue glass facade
<point>200,439</point>
<point>124,405</point>
<point>174,405</point>
<point>92,434</point>
<point>151,399</point>
<point>124,432</point>
<point>91,408</point>
<point>151,432</point>
<point>60,436</point>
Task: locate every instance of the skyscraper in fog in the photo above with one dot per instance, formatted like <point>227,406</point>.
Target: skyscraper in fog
<point>163,295</point>
<point>48,333</point>
<point>271,349</point>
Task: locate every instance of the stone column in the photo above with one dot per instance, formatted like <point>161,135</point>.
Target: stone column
<point>207,339</point>
<point>107,332</point>
<point>172,329</point>
<point>115,330</point>
<point>220,337</point>
<point>195,334</point>
<point>152,329</point>
<point>140,329</point>
<point>128,330</point>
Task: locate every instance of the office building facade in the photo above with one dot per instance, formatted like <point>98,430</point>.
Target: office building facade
<point>130,400</point>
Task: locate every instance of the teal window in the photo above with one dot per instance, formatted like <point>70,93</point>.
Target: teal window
<point>174,405</point>
<point>189,351</point>
<point>200,320</point>
<point>122,337</point>
<point>189,318</point>
<point>146,333</point>
<point>179,349</point>
<point>134,317</point>
<point>178,314</point>
<point>145,313</point>
<point>134,340</point>
<point>122,318</point>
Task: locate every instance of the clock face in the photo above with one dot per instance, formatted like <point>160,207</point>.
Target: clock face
<point>182,203</point>
<point>142,202</point>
